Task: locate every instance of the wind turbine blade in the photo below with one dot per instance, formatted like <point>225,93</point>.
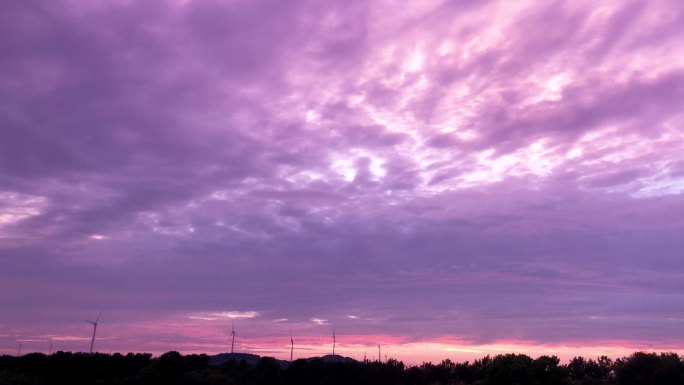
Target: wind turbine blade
<point>98,316</point>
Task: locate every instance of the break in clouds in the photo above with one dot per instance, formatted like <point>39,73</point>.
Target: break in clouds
<point>458,172</point>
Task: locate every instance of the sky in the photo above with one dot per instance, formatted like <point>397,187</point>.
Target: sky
<point>447,179</point>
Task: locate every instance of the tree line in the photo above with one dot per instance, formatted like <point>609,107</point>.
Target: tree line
<point>173,368</point>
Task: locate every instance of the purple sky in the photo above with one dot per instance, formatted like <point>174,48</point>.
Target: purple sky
<point>453,177</point>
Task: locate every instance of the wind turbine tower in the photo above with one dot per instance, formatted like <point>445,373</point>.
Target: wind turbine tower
<point>19,350</point>
<point>291,346</point>
<point>232,333</point>
<point>379,357</point>
<point>94,323</point>
<point>334,341</point>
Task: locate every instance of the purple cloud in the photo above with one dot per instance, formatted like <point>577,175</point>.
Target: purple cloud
<point>468,174</point>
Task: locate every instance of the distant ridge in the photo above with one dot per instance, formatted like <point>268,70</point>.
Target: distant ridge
<point>253,359</point>
<point>333,358</point>
<point>222,358</point>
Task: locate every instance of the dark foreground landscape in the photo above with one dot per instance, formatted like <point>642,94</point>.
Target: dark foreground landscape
<point>244,369</point>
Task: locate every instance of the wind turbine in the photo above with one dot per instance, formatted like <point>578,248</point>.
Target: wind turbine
<point>379,358</point>
<point>92,341</point>
<point>19,350</point>
<point>50,342</point>
<point>232,333</point>
<point>291,345</point>
<point>334,341</point>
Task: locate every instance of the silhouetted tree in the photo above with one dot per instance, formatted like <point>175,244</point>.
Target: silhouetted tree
<point>547,371</point>
<point>174,368</point>
<point>650,368</point>
<point>577,368</point>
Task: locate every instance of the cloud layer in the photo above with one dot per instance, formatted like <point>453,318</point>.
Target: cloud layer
<point>458,172</point>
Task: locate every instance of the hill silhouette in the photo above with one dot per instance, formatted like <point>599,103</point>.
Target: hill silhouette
<point>334,358</point>
<point>253,359</point>
<point>222,358</point>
